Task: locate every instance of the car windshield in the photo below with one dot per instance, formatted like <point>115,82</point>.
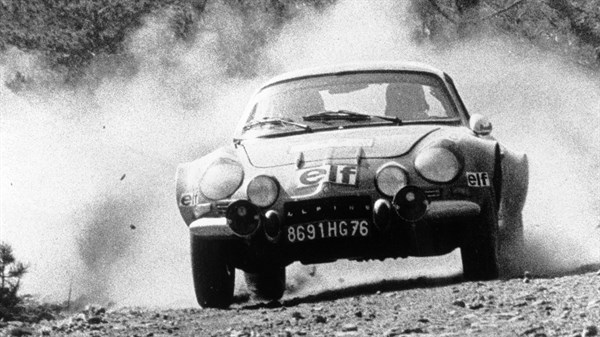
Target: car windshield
<point>349,100</point>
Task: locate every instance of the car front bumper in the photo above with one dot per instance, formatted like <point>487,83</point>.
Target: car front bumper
<point>218,229</point>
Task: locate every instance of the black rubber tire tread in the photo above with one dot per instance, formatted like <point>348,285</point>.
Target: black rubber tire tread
<point>511,251</point>
<point>267,284</point>
<point>213,276</point>
<point>479,250</point>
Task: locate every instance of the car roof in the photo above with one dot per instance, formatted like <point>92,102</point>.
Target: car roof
<point>355,67</point>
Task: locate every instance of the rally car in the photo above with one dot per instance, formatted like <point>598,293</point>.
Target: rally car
<point>354,161</point>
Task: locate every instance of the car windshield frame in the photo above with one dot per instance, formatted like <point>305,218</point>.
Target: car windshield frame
<point>353,78</point>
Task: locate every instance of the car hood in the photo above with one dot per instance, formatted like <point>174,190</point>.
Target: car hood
<point>339,145</point>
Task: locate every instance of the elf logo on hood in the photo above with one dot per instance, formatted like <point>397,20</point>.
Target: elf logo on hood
<point>338,174</point>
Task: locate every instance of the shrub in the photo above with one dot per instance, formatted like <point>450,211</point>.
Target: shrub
<point>11,272</point>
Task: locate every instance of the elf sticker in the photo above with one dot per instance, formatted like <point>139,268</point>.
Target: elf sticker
<point>478,179</point>
<point>337,174</point>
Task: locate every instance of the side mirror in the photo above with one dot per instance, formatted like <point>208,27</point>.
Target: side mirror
<point>480,125</point>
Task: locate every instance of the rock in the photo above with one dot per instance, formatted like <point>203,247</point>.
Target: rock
<point>532,330</point>
<point>423,320</point>
<point>94,320</point>
<point>297,315</point>
<point>349,327</point>
<point>320,319</point>
<point>358,314</point>
<point>44,331</point>
<point>347,334</point>
<point>589,331</point>
<point>415,330</point>
<point>79,317</point>
<point>237,333</point>
<point>475,306</point>
<point>94,310</point>
<point>393,332</point>
<point>20,331</point>
<point>459,303</point>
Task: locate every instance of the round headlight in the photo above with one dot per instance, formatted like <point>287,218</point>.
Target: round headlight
<point>390,179</point>
<point>263,191</point>
<point>437,164</point>
<point>221,179</point>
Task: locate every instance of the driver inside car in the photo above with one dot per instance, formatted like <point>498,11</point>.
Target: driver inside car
<point>406,101</point>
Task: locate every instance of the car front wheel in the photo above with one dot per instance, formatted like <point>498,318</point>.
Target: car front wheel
<point>479,250</point>
<point>213,276</point>
<point>511,247</point>
<point>268,283</point>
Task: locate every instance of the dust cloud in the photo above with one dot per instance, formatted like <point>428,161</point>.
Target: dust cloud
<point>87,175</point>
<point>87,184</point>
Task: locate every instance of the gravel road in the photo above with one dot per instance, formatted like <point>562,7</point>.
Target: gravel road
<point>531,306</point>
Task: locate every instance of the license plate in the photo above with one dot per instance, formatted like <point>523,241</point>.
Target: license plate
<point>328,229</point>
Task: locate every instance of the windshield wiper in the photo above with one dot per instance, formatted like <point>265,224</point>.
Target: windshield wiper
<point>347,115</point>
<point>276,121</point>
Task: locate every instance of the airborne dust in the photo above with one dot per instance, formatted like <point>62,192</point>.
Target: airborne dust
<point>87,175</point>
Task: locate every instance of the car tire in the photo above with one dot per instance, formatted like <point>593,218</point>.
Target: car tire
<point>213,276</point>
<point>267,284</point>
<point>479,250</point>
<point>511,247</point>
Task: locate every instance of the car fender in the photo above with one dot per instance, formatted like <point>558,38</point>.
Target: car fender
<point>515,183</point>
<point>188,177</point>
<point>483,156</point>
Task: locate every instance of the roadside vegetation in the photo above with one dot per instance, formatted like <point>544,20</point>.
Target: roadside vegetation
<point>14,306</point>
<point>70,36</point>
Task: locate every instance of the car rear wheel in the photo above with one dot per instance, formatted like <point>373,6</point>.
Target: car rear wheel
<point>479,250</point>
<point>267,284</point>
<point>213,276</point>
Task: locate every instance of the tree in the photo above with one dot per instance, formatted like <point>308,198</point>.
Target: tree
<point>11,272</point>
<point>444,19</point>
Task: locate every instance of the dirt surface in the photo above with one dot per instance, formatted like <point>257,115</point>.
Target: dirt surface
<point>549,306</point>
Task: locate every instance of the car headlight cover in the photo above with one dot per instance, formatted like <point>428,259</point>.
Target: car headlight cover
<point>437,164</point>
<point>263,191</point>
<point>390,179</point>
<point>221,179</point>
